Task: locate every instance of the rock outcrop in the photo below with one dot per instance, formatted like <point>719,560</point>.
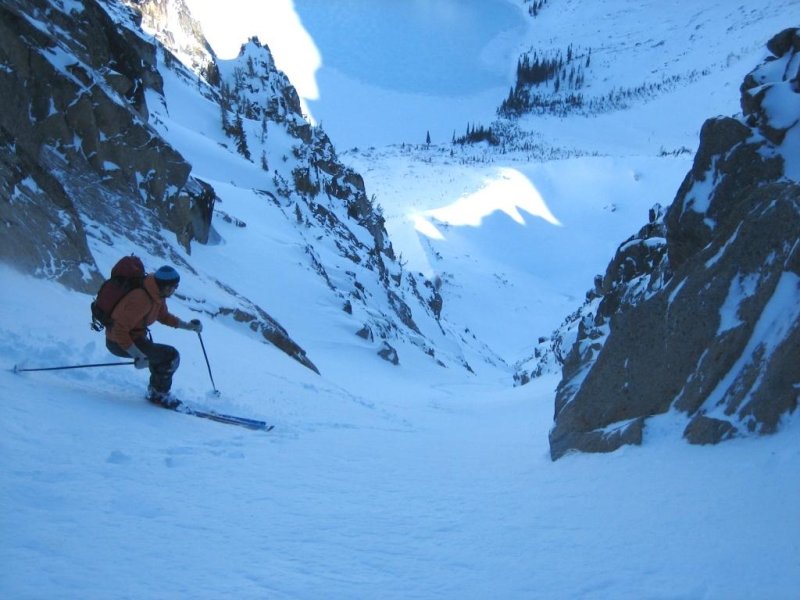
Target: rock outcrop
<point>700,311</point>
<point>77,142</point>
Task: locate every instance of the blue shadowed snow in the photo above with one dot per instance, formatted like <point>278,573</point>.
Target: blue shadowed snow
<point>433,66</point>
<point>432,47</point>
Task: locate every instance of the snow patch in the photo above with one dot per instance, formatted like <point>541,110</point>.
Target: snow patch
<point>741,288</point>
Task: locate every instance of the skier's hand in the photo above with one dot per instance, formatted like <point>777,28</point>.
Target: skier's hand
<point>139,358</point>
<point>193,325</point>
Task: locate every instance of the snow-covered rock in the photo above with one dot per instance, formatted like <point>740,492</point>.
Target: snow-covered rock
<point>80,158</point>
<point>699,311</point>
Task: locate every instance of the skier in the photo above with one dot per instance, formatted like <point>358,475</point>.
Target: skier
<point>129,335</point>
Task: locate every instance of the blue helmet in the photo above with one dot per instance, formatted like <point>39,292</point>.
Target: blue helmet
<point>166,275</point>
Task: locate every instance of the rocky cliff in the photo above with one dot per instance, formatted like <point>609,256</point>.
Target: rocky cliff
<point>699,312</point>
<point>77,145</point>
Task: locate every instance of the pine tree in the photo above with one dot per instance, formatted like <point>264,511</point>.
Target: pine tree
<point>240,136</point>
<point>211,74</point>
<point>225,106</point>
<point>226,126</point>
<point>264,128</point>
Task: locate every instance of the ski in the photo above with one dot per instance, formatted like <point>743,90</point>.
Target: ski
<point>253,424</point>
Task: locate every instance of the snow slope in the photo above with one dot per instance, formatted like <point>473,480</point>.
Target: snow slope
<point>381,481</point>
<point>422,490</point>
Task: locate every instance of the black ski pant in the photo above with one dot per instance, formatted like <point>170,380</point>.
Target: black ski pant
<point>163,361</point>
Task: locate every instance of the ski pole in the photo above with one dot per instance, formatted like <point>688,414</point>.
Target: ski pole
<point>208,365</point>
<point>114,364</point>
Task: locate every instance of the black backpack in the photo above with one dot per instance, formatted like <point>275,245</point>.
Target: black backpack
<point>128,274</point>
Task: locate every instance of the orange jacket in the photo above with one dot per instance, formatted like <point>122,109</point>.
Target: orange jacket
<point>136,312</point>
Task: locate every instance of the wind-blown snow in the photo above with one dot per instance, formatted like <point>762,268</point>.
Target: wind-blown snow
<point>412,481</point>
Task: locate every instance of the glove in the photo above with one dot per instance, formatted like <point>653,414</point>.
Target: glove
<point>194,325</point>
<point>140,360</point>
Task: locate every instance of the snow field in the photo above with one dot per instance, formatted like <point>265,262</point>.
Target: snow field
<point>419,490</point>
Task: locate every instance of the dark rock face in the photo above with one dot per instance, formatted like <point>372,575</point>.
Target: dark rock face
<point>700,311</point>
<point>76,138</point>
<point>774,78</point>
<point>258,321</point>
<point>34,202</point>
<point>389,354</point>
<point>733,169</point>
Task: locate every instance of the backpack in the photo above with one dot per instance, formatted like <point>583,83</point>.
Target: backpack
<point>127,275</point>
